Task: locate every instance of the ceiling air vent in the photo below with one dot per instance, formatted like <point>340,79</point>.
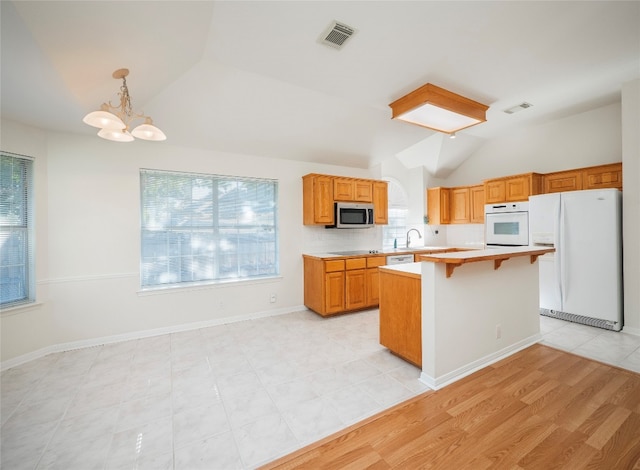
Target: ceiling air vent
<point>336,35</point>
<point>518,108</point>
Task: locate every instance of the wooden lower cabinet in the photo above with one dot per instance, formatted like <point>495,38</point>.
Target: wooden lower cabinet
<point>336,286</point>
<point>334,292</point>
<point>400,315</point>
<point>355,293</point>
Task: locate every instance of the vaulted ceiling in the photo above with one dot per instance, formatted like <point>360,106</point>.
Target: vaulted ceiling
<point>252,77</point>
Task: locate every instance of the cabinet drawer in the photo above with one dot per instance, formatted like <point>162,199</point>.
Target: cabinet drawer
<point>334,265</point>
<point>356,263</point>
<point>376,261</point>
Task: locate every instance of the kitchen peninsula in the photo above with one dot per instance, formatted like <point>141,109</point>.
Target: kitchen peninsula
<point>485,310</point>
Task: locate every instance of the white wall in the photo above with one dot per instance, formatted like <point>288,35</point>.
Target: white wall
<point>586,139</point>
<point>88,235</point>
<point>631,203</point>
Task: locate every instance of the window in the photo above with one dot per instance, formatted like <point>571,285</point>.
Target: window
<point>398,208</point>
<point>198,228</point>
<point>17,277</point>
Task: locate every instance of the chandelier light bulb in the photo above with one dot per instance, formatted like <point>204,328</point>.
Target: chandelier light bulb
<point>116,135</point>
<point>148,132</point>
<point>104,120</point>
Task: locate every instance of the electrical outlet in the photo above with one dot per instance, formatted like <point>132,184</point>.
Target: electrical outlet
<point>273,297</point>
<point>498,331</point>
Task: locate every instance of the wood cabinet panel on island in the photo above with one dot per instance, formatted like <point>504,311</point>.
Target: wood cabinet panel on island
<point>400,315</point>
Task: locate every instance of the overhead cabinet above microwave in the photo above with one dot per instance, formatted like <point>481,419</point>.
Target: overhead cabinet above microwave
<point>321,192</point>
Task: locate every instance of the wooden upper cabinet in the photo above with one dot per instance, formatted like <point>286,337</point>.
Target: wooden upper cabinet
<point>512,188</point>
<point>363,191</point>
<point>593,177</point>
<point>320,192</point>
<point>343,189</point>
<point>563,181</point>
<point>352,190</point>
<point>317,200</point>
<point>438,206</point>
<point>460,206</point>
<point>603,176</point>
<point>476,198</point>
<point>494,191</point>
<point>380,202</point>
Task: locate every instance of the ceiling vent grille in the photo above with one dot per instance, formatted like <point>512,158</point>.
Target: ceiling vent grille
<point>518,108</point>
<point>336,35</point>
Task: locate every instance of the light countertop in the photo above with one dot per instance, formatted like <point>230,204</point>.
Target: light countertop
<point>387,252</point>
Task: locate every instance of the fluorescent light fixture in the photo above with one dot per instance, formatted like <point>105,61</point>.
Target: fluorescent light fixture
<point>438,109</point>
<point>114,121</point>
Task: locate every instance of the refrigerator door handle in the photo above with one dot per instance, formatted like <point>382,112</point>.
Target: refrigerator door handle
<point>564,259</point>
<point>559,251</point>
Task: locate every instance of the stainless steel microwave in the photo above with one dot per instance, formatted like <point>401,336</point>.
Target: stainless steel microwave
<point>353,215</point>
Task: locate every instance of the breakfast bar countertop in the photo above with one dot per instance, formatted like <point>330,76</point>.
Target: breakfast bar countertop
<point>497,255</point>
<point>387,252</point>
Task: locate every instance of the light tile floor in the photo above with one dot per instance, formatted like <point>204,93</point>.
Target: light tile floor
<point>224,397</point>
<point>617,348</point>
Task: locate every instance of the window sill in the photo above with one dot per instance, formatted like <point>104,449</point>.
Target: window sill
<point>7,312</point>
<point>196,286</point>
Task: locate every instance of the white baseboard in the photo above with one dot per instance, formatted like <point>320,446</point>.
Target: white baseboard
<point>436,383</point>
<point>631,331</point>
<point>89,343</point>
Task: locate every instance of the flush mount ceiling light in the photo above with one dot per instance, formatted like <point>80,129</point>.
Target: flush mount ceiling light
<point>115,122</point>
<point>438,109</point>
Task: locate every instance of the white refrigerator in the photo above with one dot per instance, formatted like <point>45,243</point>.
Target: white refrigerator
<point>582,280</point>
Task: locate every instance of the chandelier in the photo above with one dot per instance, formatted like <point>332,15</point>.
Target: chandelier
<point>115,122</point>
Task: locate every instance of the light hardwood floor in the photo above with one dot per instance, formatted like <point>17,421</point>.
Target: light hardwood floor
<point>541,408</point>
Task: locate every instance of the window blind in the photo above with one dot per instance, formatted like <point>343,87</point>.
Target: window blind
<point>17,276</point>
<point>198,228</point>
<point>396,229</point>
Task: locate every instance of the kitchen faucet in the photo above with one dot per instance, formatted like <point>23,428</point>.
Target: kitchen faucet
<point>409,239</point>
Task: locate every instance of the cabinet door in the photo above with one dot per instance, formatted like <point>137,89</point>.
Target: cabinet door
<point>494,191</point>
<point>606,176</point>
<point>334,292</point>
<point>323,201</point>
<point>373,287</point>
<point>363,191</point>
<point>355,297</point>
<point>563,181</point>
<point>476,196</point>
<point>438,206</point>
<point>380,202</point>
<point>460,212</point>
<point>517,189</point>
<point>343,189</point>
<point>317,200</point>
